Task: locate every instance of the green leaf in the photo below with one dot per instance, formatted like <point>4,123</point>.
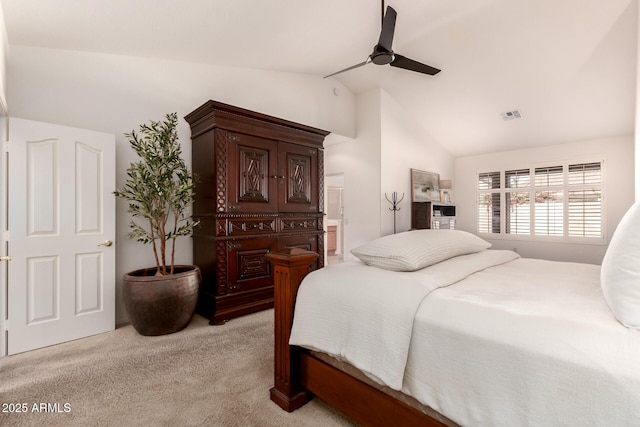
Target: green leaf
<point>159,187</point>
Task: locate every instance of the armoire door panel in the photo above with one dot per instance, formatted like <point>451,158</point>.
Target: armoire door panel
<point>299,170</point>
<point>252,184</point>
<point>253,264</point>
<point>247,265</point>
<point>254,174</point>
<point>299,188</point>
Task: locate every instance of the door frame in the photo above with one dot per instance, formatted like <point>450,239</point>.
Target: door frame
<point>4,229</point>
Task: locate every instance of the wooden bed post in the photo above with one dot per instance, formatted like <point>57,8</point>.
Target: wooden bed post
<point>289,268</point>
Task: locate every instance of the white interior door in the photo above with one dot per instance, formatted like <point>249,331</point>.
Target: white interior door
<point>61,278</point>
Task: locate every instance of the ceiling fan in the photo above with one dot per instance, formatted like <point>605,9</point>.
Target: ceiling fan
<point>383,54</point>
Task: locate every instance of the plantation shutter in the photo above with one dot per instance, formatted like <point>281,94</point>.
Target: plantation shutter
<point>489,202</point>
<point>585,200</point>
<point>549,201</point>
<point>518,202</point>
<point>559,201</point>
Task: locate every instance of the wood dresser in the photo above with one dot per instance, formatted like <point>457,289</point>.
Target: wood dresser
<point>260,189</point>
<point>436,215</point>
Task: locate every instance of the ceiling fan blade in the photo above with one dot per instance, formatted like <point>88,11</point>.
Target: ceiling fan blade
<point>388,28</point>
<point>350,68</point>
<point>409,64</point>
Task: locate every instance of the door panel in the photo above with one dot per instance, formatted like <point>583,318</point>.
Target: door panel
<point>252,183</point>
<point>248,268</point>
<point>61,210</point>
<point>43,289</point>
<point>89,163</point>
<point>298,191</point>
<point>89,286</point>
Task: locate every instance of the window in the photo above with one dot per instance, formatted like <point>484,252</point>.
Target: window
<point>561,201</point>
<point>489,202</point>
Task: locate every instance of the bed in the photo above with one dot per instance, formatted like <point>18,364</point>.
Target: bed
<point>432,327</point>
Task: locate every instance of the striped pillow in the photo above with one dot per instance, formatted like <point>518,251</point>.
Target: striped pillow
<point>416,249</point>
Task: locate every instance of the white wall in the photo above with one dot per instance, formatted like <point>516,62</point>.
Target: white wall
<point>4,49</point>
<point>405,145</point>
<point>389,143</point>
<point>115,94</point>
<point>637,130</point>
<point>618,191</point>
<point>359,161</point>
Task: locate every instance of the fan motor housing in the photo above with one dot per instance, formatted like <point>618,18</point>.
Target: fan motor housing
<point>382,58</point>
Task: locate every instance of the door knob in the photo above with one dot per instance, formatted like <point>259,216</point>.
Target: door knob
<point>106,243</point>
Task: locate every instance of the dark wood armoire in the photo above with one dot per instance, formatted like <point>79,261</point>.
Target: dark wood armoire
<point>260,188</point>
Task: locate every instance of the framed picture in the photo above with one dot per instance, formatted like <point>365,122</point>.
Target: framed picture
<point>425,186</point>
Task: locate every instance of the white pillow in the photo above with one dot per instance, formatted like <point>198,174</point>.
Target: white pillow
<point>413,250</point>
<point>620,273</point>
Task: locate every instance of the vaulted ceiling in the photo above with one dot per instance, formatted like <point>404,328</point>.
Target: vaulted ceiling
<point>568,66</point>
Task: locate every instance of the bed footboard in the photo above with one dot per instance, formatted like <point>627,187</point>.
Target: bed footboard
<point>289,268</point>
<point>299,375</point>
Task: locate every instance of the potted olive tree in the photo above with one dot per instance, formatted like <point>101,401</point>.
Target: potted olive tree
<point>159,189</point>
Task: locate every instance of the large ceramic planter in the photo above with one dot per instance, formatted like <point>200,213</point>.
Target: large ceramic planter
<point>159,305</point>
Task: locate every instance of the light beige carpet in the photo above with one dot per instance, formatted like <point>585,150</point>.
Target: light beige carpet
<point>203,375</point>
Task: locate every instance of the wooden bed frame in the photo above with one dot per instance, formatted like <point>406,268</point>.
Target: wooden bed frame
<point>299,375</point>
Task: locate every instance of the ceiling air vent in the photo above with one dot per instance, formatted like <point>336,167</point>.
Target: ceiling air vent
<point>510,115</point>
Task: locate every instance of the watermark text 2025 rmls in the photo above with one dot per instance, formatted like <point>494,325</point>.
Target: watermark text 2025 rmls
<point>44,407</point>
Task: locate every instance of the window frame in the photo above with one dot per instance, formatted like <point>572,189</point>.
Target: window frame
<point>503,190</point>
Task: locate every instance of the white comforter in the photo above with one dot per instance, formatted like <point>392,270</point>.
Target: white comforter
<point>519,342</point>
<point>349,318</point>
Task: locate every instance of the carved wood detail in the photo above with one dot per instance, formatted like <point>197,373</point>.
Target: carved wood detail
<point>221,267</point>
<point>251,226</point>
<point>253,264</point>
<point>254,174</point>
<point>320,181</point>
<point>221,229</point>
<point>298,224</point>
<point>221,171</point>
<point>299,188</point>
<point>320,239</point>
